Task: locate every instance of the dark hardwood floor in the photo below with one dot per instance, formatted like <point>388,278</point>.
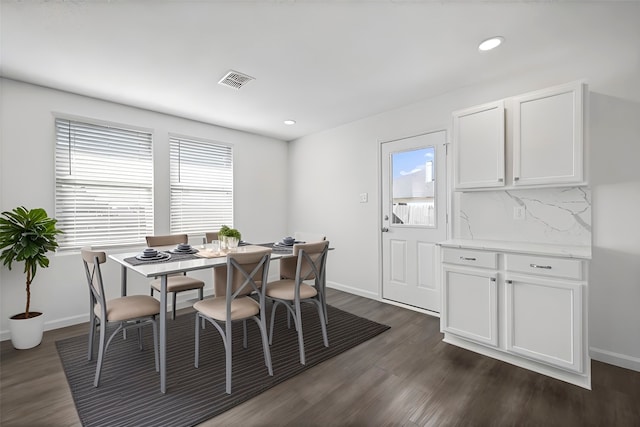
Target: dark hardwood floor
<point>405,377</point>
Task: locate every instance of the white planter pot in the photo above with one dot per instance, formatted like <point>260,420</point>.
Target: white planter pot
<point>26,333</point>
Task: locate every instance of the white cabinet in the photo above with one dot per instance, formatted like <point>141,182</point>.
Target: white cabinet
<point>471,299</point>
<point>545,141</point>
<point>544,320</point>
<point>470,294</point>
<point>523,308</point>
<point>479,146</point>
<point>548,136</point>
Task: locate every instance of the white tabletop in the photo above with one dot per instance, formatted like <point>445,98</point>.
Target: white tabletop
<point>171,267</point>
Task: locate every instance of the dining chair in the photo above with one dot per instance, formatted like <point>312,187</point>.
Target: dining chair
<point>288,265</point>
<point>179,282</point>
<point>133,311</point>
<point>311,259</point>
<point>243,299</point>
<point>210,236</point>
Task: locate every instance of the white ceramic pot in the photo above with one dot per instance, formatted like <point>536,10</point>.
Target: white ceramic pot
<point>26,333</point>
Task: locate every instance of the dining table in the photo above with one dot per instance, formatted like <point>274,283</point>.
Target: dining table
<point>179,263</point>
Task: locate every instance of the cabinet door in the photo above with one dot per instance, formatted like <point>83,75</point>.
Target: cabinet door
<point>548,136</point>
<point>478,142</point>
<point>544,320</point>
<point>470,307</point>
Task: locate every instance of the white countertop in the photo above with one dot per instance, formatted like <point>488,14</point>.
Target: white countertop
<point>582,252</point>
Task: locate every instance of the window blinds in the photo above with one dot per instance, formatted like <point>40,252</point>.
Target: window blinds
<point>201,186</point>
<point>104,185</point>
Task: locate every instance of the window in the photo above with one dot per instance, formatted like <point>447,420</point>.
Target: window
<point>413,187</point>
<point>104,185</point>
<point>201,185</point>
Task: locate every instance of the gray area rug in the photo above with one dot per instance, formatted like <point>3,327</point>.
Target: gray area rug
<point>129,392</point>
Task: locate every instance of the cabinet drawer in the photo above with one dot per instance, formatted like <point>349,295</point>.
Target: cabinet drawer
<point>545,266</point>
<point>470,257</point>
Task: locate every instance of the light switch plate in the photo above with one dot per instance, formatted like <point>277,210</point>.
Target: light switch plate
<point>364,197</point>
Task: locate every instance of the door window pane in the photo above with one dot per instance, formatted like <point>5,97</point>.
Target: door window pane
<point>413,201</point>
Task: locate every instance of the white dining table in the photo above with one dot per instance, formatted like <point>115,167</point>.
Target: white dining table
<point>169,267</point>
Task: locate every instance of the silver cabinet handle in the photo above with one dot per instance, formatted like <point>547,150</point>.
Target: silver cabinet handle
<point>548,267</point>
<point>467,259</point>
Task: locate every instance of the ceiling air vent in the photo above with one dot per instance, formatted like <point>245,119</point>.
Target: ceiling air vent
<point>235,79</point>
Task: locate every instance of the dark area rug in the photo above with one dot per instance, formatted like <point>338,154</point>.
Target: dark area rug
<point>129,392</point>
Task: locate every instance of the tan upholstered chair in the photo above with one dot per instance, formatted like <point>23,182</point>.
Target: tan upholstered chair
<point>288,265</point>
<point>176,283</point>
<point>244,270</point>
<point>311,259</point>
<point>134,311</point>
<point>210,236</point>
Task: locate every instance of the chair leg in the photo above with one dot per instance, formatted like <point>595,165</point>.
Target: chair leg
<point>298,321</point>
<point>140,343</point>
<point>154,323</point>
<point>101,350</point>
<point>265,344</point>
<point>245,343</point>
<point>92,330</point>
<point>197,351</point>
<point>323,325</point>
<point>229,350</point>
<point>273,318</point>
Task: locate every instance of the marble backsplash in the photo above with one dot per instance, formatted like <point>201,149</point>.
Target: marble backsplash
<point>559,216</point>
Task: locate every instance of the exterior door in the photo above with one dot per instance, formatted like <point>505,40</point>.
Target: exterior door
<point>413,218</point>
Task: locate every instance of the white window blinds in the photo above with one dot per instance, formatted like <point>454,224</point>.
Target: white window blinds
<point>104,185</point>
<point>201,186</point>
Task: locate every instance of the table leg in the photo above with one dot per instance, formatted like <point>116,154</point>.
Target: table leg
<point>163,334</point>
<point>123,281</point>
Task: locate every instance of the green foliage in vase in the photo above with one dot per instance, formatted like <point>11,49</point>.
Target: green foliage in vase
<point>229,232</point>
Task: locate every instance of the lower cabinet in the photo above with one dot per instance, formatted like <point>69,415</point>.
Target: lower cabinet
<point>544,321</point>
<point>472,299</point>
<point>528,310</point>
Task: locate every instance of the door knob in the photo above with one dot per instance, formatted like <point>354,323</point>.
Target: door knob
<point>385,230</point>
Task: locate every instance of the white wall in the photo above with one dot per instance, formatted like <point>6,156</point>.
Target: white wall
<point>27,178</point>
<point>334,166</point>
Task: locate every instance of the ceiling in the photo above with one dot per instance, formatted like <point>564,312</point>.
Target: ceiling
<point>321,63</point>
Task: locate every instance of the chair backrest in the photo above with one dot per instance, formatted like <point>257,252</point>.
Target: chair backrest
<point>246,272</point>
<point>171,239</point>
<point>210,236</point>
<point>312,259</point>
<point>92,260</point>
<point>306,237</point>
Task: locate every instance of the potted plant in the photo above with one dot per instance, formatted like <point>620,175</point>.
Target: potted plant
<point>27,235</point>
<point>224,234</point>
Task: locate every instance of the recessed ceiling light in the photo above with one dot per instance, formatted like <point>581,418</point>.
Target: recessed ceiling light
<point>491,43</point>
<point>289,122</point>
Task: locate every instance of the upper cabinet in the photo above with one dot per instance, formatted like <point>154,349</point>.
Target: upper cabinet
<point>545,141</point>
<point>479,143</point>
<point>548,136</point>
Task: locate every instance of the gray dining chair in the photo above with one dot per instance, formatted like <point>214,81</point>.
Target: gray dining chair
<point>179,282</point>
<point>311,260</point>
<point>133,311</point>
<point>242,299</point>
<point>288,265</point>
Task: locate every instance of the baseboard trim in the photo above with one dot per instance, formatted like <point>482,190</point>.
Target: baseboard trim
<point>616,359</point>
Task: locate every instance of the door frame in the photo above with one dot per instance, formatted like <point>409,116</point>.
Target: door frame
<point>448,217</point>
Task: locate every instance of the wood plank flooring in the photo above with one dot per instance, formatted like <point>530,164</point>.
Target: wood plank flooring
<point>405,377</point>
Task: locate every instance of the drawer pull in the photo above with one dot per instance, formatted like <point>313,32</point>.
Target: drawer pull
<point>548,267</point>
<point>467,259</point>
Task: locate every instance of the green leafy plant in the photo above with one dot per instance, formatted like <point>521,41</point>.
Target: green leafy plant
<point>229,232</point>
<point>27,235</point>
